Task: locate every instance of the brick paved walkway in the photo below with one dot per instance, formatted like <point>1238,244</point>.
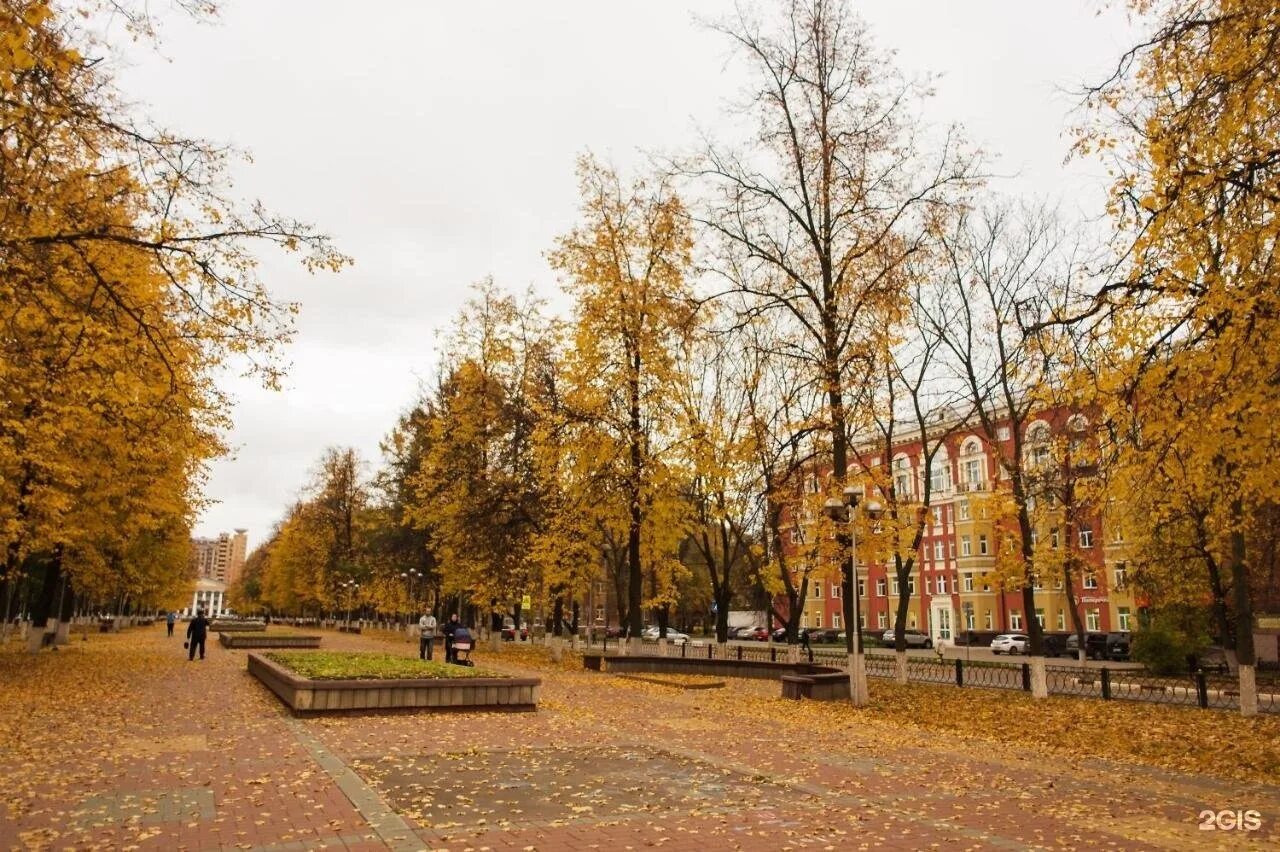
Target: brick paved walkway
<point>198,756</point>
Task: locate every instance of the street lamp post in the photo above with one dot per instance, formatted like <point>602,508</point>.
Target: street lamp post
<point>844,509</point>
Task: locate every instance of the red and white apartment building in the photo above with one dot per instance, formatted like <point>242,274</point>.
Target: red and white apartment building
<point>954,583</point>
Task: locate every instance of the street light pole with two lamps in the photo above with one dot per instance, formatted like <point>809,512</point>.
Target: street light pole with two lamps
<point>845,510</point>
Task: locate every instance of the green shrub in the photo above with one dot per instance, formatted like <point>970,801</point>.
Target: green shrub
<point>1163,649</point>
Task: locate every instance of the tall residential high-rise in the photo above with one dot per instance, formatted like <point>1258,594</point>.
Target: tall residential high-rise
<point>220,558</point>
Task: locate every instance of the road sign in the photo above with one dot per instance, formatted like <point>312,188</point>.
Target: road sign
<point>526,602</point>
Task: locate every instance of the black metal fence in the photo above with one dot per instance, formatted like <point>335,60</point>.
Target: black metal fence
<point>1191,690</point>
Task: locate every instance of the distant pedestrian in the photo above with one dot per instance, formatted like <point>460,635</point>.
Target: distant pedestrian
<point>426,635</point>
<point>804,639</point>
<point>451,628</point>
<point>197,632</point>
<point>169,620</point>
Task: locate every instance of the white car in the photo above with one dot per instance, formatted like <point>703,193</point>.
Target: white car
<point>1010,643</point>
<point>673,636</point>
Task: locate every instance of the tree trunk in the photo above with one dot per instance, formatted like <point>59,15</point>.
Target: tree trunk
<point>1244,615</point>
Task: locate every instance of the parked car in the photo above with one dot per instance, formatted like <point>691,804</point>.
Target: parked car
<point>1095,646</point>
<point>759,634</point>
<point>509,633</point>
<point>915,639</point>
<point>674,636</point>
<point>1055,644</point>
<point>780,635</point>
<point>1212,659</point>
<point>1118,646</point>
<point>818,636</point>
<point>1010,643</point>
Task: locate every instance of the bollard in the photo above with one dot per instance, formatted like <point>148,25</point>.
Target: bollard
<point>739,652</point>
<point>773,654</point>
<point>959,672</point>
<point>1106,683</point>
<point>711,650</point>
<point>1026,677</point>
<point>1202,689</point>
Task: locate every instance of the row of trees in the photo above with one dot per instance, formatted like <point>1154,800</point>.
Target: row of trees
<point>832,281</point>
<point>127,284</point>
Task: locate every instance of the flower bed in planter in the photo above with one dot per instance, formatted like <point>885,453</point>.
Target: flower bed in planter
<point>268,640</point>
<point>322,682</point>
<point>237,626</point>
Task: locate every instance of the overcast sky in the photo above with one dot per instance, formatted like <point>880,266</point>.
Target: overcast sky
<point>436,142</point>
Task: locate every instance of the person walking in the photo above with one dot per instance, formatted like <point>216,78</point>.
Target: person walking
<point>451,628</point>
<point>197,632</point>
<point>426,635</point>
<point>169,620</point>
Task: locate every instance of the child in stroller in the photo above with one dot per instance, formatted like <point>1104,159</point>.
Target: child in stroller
<point>462,644</point>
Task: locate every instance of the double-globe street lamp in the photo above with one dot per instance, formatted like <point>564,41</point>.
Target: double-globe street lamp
<point>410,578</point>
<point>845,510</point>
<point>352,588</point>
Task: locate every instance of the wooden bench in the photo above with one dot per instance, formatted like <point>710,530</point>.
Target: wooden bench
<point>818,687</point>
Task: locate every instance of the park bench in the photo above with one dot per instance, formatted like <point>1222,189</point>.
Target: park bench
<point>819,687</point>
<point>592,661</point>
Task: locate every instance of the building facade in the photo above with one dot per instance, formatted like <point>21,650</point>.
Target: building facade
<point>961,578</point>
<point>220,558</point>
<point>209,597</point>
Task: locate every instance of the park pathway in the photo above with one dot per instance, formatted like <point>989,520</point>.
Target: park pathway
<point>119,742</point>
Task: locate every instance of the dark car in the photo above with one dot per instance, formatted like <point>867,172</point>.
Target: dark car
<point>780,635</point>
<point>759,634</point>
<point>819,636</point>
<point>1055,644</point>
<point>1118,646</point>
<point>1095,646</point>
<point>1212,659</point>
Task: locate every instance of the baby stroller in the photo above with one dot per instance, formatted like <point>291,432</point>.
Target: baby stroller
<point>462,644</point>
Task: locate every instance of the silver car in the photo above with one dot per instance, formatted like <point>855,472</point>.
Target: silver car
<point>1010,643</point>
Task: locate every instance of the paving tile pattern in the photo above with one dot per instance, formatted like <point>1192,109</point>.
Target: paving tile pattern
<point>202,757</point>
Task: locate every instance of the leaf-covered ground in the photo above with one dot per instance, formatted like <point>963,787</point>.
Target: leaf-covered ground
<point>119,742</point>
<point>340,665</point>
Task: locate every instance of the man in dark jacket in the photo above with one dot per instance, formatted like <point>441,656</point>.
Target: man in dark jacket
<point>450,628</point>
<point>197,632</point>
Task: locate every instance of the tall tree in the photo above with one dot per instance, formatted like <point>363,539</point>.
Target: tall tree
<point>1190,116</point>
<point>626,268</point>
<point>1008,269</point>
<point>833,196</point>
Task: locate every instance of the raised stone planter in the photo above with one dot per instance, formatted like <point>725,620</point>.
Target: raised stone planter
<point>807,680</point>
<point>237,627</point>
<point>308,695</point>
<point>267,640</point>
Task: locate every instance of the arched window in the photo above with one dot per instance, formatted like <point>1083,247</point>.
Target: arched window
<point>940,473</point>
<point>1037,443</point>
<point>973,465</point>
